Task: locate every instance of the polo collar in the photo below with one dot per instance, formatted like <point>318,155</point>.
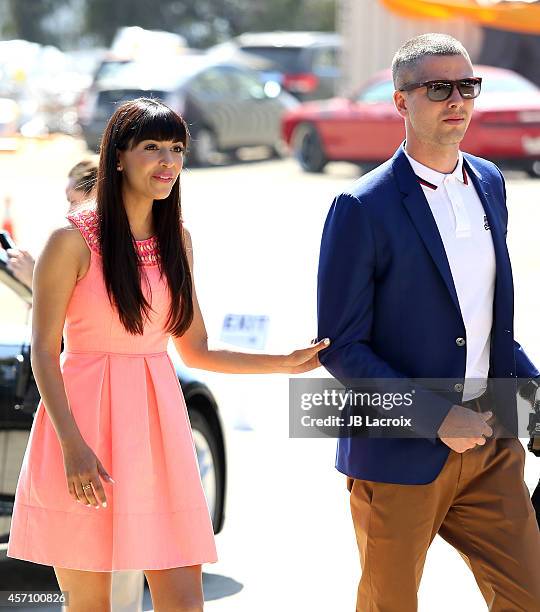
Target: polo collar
<point>432,178</point>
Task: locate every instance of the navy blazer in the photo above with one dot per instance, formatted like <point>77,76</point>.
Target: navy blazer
<point>387,300</point>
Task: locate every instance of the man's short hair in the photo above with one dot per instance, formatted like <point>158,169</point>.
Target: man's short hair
<point>410,54</point>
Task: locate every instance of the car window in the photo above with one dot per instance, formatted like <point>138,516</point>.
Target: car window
<point>286,59</point>
<point>378,92</point>
<point>144,75</point>
<point>245,84</point>
<point>507,83</point>
<point>109,69</point>
<point>325,58</point>
<point>212,83</point>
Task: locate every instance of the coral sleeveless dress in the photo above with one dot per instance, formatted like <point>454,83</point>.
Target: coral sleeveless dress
<point>128,405</point>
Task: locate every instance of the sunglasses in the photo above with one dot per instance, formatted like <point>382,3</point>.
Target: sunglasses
<point>440,90</point>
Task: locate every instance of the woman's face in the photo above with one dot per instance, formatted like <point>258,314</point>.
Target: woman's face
<point>150,169</point>
<point>74,196</point>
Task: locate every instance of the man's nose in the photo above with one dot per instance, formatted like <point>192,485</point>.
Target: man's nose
<point>455,99</point>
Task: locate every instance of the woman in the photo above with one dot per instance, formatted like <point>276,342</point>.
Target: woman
<point>80,186</point>
<point>113,403</point>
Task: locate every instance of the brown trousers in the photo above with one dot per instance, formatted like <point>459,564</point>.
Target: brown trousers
<point>478,503</point>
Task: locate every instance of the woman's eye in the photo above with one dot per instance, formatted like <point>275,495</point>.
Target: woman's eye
<point>178,149</point>
<point>150,146</point>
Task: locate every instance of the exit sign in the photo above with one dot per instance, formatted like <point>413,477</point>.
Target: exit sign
<point>249,331</point>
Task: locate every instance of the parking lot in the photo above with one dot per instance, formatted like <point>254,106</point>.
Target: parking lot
<point>288,541</point>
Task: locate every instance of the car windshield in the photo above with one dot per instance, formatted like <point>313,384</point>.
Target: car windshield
<point>287,59</point>
<point>166,76</point>
<point>377,92</point>
<point>508,83</point>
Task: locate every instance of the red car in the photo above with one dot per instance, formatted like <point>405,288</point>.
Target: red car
<point>366,128</point>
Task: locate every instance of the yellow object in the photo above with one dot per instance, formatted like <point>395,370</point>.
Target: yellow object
<point>519,16</point>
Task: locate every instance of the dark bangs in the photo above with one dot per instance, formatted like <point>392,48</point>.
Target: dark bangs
<point>156,122</point>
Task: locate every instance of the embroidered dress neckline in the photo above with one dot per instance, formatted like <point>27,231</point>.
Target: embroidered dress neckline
<point>88,222</point>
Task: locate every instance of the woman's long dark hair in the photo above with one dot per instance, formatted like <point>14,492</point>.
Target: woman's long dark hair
<point>133,122</point>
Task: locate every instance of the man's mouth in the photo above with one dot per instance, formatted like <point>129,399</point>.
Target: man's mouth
<point>454,120</point>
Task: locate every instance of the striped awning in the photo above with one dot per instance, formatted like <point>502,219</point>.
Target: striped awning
<point>517,16</point>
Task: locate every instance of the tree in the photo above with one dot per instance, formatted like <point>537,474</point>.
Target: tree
<point>201,22</point>
<point>27,18</point>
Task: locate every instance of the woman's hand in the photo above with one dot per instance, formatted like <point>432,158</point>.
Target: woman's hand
<point>21,264</point>
<point>83,467</point>
<point>303,360</point>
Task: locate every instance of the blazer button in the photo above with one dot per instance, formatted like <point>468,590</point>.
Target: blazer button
<point>460,341</point>
<point>458,387</point>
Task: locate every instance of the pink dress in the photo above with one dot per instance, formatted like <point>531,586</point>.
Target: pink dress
<point>129,407</point>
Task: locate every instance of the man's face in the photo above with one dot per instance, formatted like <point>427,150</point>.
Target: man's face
<point>436,123</point>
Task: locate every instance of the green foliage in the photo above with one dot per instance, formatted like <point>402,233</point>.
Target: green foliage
<point>202,22</point>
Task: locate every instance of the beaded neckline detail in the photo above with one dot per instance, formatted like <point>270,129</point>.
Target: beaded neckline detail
<point>88,223</point>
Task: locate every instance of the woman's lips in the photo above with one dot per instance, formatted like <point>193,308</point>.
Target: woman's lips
<point>163,179</point>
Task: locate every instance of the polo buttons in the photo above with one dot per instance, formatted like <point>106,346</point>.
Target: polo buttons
<point>458,387</point>
<point>460,341</point>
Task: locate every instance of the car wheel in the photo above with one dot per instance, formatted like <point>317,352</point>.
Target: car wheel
<point>203,148</point>
<point>307,148</point>
<point>533,169</point>
<point>207,448</point>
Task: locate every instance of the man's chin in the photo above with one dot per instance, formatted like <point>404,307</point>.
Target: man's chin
<point>451,139</point>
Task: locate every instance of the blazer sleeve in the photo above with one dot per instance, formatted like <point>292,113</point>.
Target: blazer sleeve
<point>524,366</point>
<point>345,301</point>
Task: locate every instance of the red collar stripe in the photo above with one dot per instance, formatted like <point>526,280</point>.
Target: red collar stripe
<point>432,186</point>
<point>426,183</point>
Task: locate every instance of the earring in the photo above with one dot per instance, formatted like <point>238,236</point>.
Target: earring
<point>119,168</point>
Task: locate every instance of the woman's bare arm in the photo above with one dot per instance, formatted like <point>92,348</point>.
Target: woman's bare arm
<point>193,347</point>
<point>55,275</point>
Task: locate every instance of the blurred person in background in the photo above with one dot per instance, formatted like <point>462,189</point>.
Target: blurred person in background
<point>111,401</point>
<point>79,188</point>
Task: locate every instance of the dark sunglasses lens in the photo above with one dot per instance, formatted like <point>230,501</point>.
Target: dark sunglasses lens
<point>469,89</point>
<point>439,91</point>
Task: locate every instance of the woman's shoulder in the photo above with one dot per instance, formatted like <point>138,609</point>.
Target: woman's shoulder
<point>186,237</point>
<point>86,221</point>
<point>66,237</point>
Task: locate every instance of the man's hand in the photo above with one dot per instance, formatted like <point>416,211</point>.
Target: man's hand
<point>463,428</point>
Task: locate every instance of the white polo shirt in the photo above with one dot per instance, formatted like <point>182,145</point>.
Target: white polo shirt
<point>465,233</point>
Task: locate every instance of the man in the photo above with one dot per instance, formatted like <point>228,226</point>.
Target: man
<point>414,281</point>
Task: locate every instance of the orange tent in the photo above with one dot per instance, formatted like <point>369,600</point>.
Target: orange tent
<point>518,16</point>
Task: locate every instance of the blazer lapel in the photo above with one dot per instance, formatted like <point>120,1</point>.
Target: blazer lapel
<point>503,283</point>
<point>418,208</point>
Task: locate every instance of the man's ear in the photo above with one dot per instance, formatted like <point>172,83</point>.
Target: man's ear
<point>400,103</point>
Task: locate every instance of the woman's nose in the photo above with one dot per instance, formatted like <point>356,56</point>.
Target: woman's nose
<point>167,158</point>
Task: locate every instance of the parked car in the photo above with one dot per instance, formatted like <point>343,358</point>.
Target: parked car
<point>19,398</point>
<point>304,63</point>
<point>226,106</point>
<point>366,128</point>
